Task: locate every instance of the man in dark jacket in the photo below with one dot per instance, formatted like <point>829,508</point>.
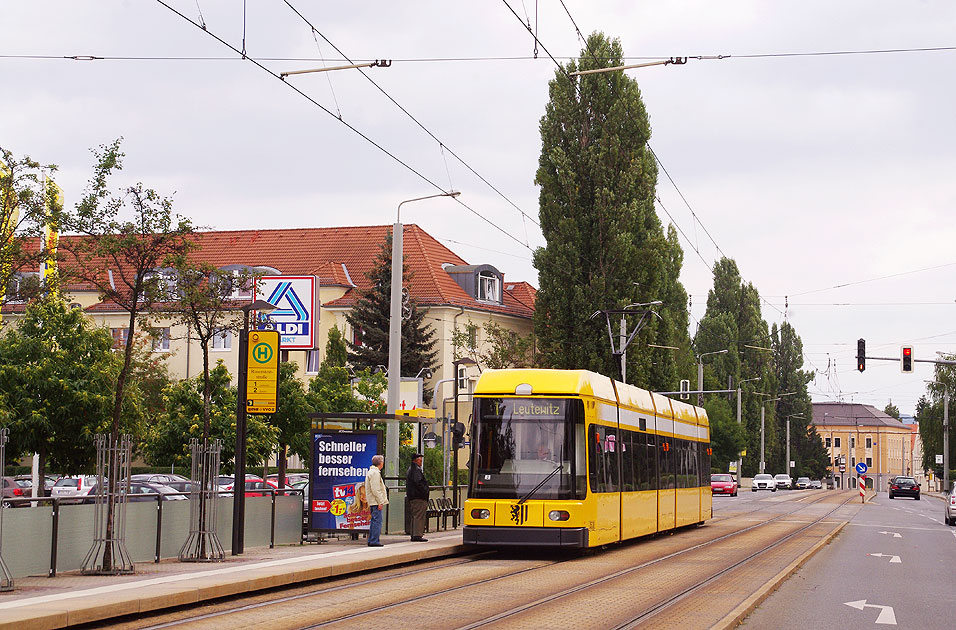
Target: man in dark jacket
<point>416,489</point>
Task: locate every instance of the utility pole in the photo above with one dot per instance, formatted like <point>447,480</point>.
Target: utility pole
<point>946,438</point>
<point>761,437</point>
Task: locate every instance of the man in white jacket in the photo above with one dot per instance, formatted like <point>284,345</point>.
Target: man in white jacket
<point>377,495</point>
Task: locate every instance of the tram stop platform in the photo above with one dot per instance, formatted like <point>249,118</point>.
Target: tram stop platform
<point>70,599</point>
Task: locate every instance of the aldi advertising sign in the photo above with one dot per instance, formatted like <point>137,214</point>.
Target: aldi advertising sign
<point>337,500</point>
<point>295,316</point>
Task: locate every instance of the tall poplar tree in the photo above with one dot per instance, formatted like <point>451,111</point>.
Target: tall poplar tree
<point>606,247</point>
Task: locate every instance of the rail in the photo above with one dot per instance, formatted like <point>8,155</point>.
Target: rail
<point>159,497</point>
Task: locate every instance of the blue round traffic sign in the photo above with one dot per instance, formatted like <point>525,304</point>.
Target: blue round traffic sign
<point>861,468</point>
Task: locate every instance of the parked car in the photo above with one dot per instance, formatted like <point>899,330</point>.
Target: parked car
<point>783,481</point>
<point>182,486</point>
<point>157,477</point>
<point>904,487</point>
<point>763,482</point>
<point>255,486</point>
<point>142,491</point>
<point>70,487</point>
<point>48,481</point>
<point>949,514</point>
<point>802,483</point>
<point>290,478</point>
<point>13,490</point>
<point>816,484</point>
<point>723,484</point>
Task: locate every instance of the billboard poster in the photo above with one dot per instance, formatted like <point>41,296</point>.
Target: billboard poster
<point>295,315</point>
<point>337,485</point>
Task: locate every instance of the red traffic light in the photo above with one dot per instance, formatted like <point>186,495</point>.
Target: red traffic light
<point>906,359</point>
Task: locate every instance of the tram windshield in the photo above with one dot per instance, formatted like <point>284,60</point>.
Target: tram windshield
<point>518,442</point>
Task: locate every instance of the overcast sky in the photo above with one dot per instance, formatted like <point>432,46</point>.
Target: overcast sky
<point>811,171</point>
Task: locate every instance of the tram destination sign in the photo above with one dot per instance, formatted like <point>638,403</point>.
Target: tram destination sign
<point>262,372</point>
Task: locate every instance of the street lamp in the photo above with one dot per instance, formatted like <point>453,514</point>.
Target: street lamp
<point>762,422</point>
<point>700,375</point>
<point>740,461</point>
<point>395,334</point>
<point>239,487</point>
<point>793,415</point>
<point>456,363</point>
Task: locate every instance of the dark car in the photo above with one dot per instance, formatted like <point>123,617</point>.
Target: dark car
<point>142,491</point>
<point>13,490</point>
<point>904,487</point>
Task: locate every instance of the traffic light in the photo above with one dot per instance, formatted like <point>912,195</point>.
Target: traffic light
<point>906,359</point>
<point>861,354</point>
<point>457,435</point>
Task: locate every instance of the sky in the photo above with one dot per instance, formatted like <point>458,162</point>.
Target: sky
<point>828,178</point>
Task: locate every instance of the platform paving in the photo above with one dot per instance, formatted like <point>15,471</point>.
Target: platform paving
<point>70,599</point>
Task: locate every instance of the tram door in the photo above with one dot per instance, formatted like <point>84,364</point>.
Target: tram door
<point>604,483</point>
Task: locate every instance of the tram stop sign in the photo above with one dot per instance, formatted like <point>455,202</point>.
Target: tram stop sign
<point>262,373</point>
<point>861,468</point>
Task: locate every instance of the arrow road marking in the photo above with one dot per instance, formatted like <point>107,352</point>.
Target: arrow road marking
<point>893,559</point>
<point>894,534</point>
<point>887,616</point>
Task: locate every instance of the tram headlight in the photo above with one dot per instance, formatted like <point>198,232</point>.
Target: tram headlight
<point>481,514</point>
<point>558,515</point>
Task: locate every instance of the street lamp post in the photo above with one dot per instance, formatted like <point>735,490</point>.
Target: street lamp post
<point>740,461</point>
<point>700,375</point>
<point>395,336</point>
<point>793,415</point>
<point>239,487</point>
<point>762,423</point>
<point>454,459</point>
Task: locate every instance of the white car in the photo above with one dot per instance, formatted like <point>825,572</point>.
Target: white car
<point>949,515</point>
<point>783,481</point>
<point>763,482</point>
<point>70,487</point>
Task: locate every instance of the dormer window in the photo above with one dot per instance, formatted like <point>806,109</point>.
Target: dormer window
<point>489,287</point>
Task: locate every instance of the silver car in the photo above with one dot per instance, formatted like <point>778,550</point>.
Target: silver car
<point>763,482</point>
<point>784,481</point>
<point>949,515</point>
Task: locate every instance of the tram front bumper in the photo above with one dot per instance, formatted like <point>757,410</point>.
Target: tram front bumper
<point>525,536</point>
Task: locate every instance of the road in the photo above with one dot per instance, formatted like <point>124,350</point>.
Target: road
<point>894,564</point>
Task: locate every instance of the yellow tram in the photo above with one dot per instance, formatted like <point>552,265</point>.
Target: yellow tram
<point>571,458</point>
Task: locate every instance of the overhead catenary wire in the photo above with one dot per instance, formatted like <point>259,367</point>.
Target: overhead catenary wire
<point>351,127</point>
<point>414,119</point>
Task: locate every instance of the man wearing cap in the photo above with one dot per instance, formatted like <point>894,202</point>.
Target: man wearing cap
<point>416,489</point>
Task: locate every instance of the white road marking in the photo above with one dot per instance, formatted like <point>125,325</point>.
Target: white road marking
<point>893,559</point>
<point>887,615</point>
<point>894,534</point>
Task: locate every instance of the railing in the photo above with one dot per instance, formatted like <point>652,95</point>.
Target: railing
<point>160,498</point>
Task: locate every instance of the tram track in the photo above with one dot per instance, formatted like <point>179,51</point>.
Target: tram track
<point>647,614</point>
<point>350,589</point>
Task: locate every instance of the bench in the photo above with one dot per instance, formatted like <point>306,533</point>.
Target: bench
<point>441,508</point>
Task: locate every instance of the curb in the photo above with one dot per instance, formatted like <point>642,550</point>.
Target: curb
<point>738,614</point>
<point>104,603</point>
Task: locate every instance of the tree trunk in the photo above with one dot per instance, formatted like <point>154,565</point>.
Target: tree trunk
<point>282,464</point>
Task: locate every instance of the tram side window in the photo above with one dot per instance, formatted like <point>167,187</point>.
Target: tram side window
<point>668,455</point>
<point>682,463</point>
<point>649,464</point>
<point>704,470</point>
<point>602,467</point>
<point>628,450</point>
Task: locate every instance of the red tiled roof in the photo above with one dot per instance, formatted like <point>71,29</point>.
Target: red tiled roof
<point>342,256</point>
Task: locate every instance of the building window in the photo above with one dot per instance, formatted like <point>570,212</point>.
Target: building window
<point>869,462</point>
<point>464,384</point>
<point>852,441</point>
<point>222,340</point>
<point>869,442</point>
<point>826,442</point>
<point>836,442</point>
<point>312,362</point>
<point>283,356</point>
<point>358,337</point>
<point>119,337</point>
<point>489,287</point>
<point>241,290</point>
<point>161,340</point>
<point>853,462</point>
